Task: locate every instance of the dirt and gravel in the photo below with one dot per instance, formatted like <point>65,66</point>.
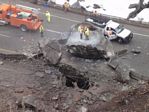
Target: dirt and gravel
<point>34,84</point>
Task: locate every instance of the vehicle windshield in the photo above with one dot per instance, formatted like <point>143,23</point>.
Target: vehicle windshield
<point>24,14</point>
<point>119,29</point>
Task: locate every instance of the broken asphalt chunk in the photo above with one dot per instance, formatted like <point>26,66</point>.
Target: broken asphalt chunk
<point>136,51</point>
<point>113,64</point>
<point>28,102</point>
<point>52,52</point>
<point>121,52</point>
<point>137,76</point>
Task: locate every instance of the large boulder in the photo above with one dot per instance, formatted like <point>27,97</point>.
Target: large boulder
<point>96,47</point>
<point>52,52</point>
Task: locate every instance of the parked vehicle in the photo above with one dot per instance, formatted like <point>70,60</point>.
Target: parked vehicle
<point>98,21</point>
<point>119,32</point>
<point>19,16</point>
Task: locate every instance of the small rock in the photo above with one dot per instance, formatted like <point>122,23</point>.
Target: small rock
<point>65,106</point>
<point>136,51</point>
<point>81,90</point>
<point>55,97</point>
<point>121,52</point>
<point>48,71</point>
<point>54,86</point>
<point>88,61</point>
<point>106,97</point>
<point>29,111</point>
<point>103,98</point>
<point>1,63</point>
<point>113,64</point>
<point>21,38</point>
<point>76,96</point>
<point>124,88</point>
<point>19,90</point>
<point>83,109</point>
<point>90,102</point>
<point>85,101</point>
<point>55,82</point>
<point>56,106</point>
<point>19,103</point>
<point>39,74</point>
<point>87,94</point>
<point>29,102</point>
<point>141,82</point>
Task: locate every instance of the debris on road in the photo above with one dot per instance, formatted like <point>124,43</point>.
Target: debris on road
<point>137,76</point>
<point>52,52</point>
<point>121,52</point>
<point>136,51</point>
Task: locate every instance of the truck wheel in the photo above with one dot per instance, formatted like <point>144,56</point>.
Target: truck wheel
<point>120,40</point>
<point>23,28</point>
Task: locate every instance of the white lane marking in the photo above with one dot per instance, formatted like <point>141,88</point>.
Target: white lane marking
<point>53,31</point>
<point>141,34</point>
<point>7,50</point>
<point>4,35</point>
<point>63,18</point>
<point>66,19</point>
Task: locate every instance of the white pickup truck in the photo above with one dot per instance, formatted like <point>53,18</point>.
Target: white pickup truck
<point>119,32</point>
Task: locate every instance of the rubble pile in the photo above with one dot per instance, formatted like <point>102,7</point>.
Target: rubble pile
<point>53,79</point>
